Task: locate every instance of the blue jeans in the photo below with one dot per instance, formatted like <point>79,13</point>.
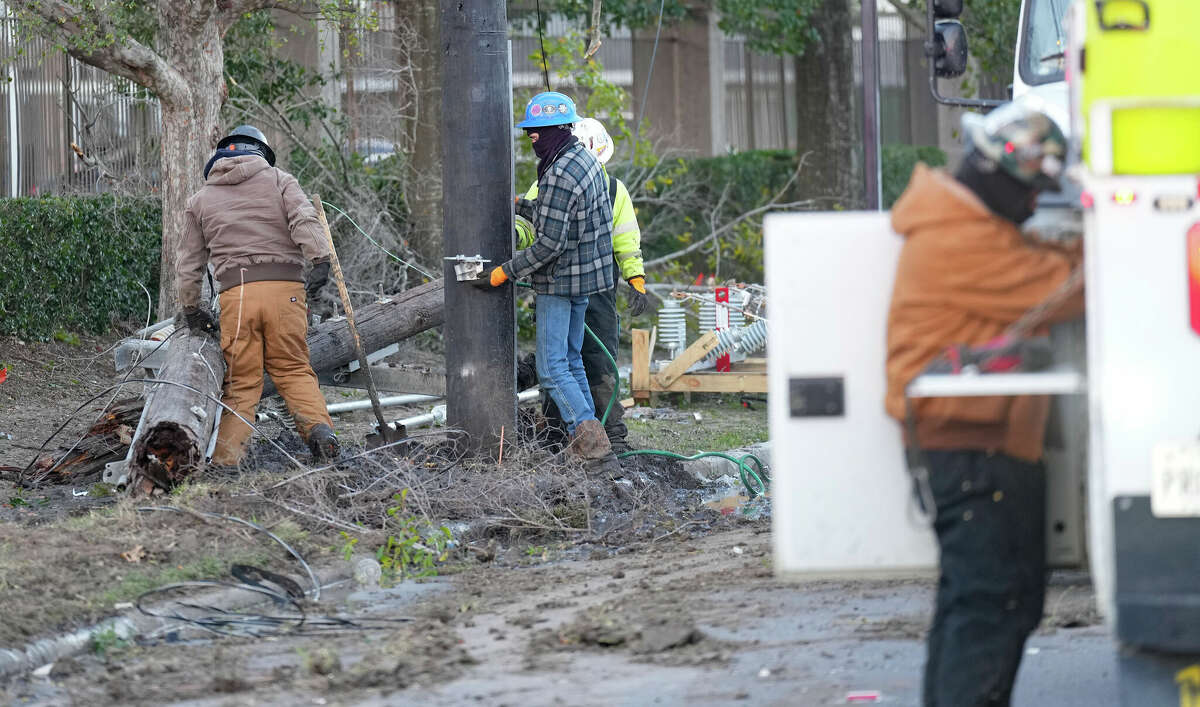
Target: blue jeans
<point>559,362</point>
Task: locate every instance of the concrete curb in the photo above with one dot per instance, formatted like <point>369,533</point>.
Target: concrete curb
<point>130,624</point>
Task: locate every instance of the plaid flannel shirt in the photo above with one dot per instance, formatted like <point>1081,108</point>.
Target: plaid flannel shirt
<point>572,254</point>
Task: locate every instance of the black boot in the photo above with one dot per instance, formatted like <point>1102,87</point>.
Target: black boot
<point>323,442</point>
<point>527,376</point>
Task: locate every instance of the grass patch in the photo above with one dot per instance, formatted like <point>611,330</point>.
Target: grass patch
<point>138,582</point>
<point>724,424</point>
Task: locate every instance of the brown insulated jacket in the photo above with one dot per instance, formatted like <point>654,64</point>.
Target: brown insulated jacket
<point>964,276</point>
<point>253,222</point>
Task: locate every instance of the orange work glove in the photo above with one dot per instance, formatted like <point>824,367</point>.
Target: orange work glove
<point>498,277</point>
<point>638,282</point>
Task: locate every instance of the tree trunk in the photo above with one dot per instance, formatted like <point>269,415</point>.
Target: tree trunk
<point>824,101</point>
<point>379,324</point>
<point>177,422</point>
<point>190,131</point>
<point>425,167</point>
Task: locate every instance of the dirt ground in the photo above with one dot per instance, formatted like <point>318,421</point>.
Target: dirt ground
<point>665,601</point>
<point>679,621</point>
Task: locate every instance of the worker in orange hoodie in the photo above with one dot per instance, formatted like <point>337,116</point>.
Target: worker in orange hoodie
<point>964,277</point>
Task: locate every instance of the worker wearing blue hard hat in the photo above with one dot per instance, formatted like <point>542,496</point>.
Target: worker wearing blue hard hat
<point>571,258</point>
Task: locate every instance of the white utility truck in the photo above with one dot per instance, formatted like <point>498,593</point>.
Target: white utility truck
<point>1123,448</point>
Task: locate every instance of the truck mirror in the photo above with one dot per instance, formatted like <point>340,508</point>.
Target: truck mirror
<point>950,57</point>
<point>947,9</point>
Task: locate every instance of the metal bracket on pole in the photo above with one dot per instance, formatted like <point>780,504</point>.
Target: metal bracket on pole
<point>467,267</point>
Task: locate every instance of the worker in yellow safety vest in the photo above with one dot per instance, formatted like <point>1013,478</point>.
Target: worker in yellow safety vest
<point>601,315</point>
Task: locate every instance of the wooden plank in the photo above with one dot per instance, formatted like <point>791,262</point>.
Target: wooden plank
<point>751,365</point>
<point>639,376</point>
<point>391,379</point>
<point>690,356</point>
<point>714,383</point>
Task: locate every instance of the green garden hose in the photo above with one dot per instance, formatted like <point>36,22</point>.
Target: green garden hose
<point>755,480</point>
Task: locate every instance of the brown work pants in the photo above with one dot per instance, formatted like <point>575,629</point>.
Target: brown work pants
<point>264,325</point>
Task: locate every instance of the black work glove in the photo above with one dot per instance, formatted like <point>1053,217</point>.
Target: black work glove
<point>317,277</point>
<point>637,298</point>
<point>201,321</point>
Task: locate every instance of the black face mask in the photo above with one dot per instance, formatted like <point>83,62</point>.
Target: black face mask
<point>1000,191</point>
<point>238,151</point>
<point>552,140</point>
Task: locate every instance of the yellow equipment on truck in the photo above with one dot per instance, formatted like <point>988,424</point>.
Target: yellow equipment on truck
<point>1135,110</point>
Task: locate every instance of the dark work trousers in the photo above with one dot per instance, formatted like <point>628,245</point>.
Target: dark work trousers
<point>991,530</point>
<point>602,319</point>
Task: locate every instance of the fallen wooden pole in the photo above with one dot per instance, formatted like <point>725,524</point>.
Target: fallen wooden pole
<point>406,314</point>
<point>180,414</point>
<point>175,437</point>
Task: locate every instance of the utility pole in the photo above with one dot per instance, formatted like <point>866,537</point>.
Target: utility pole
<point>477,219</point>
<point>870,82</point>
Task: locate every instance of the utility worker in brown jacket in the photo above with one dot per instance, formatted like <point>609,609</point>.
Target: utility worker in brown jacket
<point>964,277</point>
<point>255,224</point>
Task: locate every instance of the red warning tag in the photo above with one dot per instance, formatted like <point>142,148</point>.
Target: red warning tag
<point>3,374</point>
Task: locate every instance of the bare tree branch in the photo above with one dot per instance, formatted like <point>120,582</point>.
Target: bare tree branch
<point>233,10</point>
<point>773,203</point>
<point>725,228</point>
<point>593,43</point>
<point>123,55</point>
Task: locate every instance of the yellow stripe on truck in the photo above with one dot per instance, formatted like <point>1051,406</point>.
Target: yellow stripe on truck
<point>1123,61</point>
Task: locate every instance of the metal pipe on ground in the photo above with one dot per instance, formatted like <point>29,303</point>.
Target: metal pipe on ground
<point>437,415</point>
<point>392,401</point>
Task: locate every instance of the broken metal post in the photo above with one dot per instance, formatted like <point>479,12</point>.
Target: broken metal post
<point>477,200</point>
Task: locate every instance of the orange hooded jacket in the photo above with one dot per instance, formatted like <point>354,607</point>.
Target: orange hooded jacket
<point>964,276</point>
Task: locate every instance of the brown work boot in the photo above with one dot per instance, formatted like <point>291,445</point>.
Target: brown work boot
<point>589,441</point>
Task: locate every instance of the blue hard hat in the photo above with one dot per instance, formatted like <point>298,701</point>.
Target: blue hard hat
<point>549,108</point>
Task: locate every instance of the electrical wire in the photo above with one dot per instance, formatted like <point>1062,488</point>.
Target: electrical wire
<point>60,428</point>
<point>237,623</point>
<point>542,43</point>
<point>312,577</point>
<point>153,381</point>
<point>376,243</point>
<point>637,128</point>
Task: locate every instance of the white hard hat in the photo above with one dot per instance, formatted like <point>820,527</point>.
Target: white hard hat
<point>594,137</point>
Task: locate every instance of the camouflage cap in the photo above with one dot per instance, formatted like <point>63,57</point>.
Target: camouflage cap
<point>1022,140</point>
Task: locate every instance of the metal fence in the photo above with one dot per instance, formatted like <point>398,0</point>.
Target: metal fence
<point>52,103</point>
<point>759,89</point>
<point>760,95</point>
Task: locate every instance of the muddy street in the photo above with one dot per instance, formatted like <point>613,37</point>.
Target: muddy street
<point>652,586</point>
<point>679,621</point>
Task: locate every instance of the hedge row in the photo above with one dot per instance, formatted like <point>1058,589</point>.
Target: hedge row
<point>75,263</point>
